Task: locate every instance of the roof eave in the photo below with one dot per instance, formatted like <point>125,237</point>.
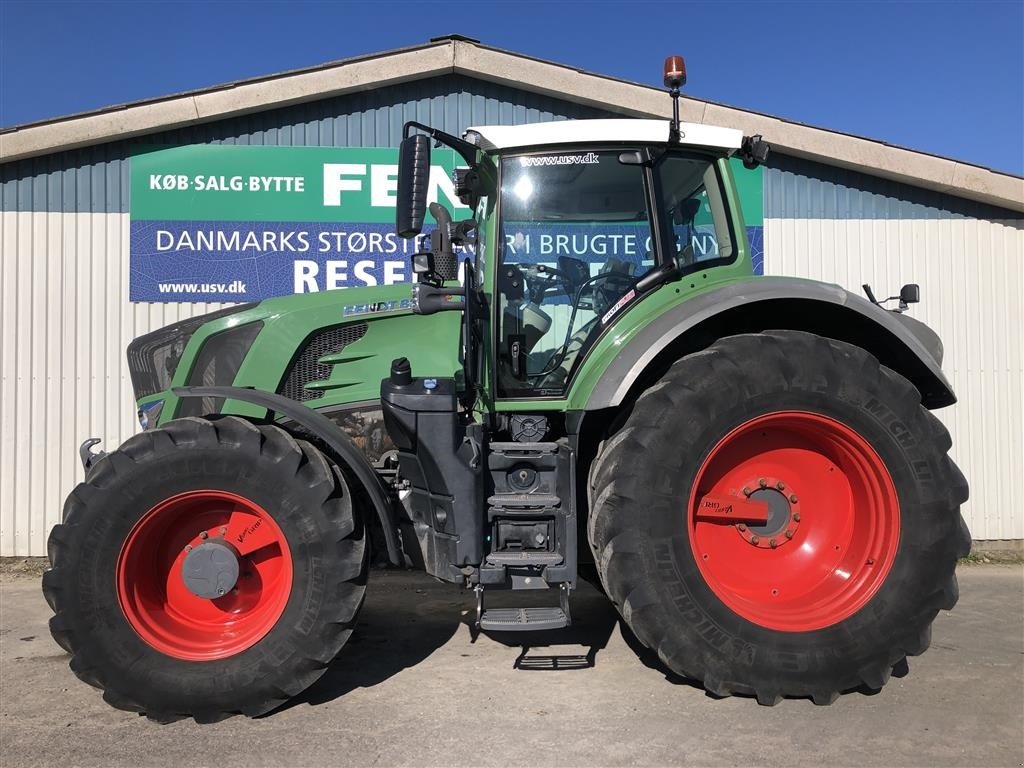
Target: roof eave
<point>208,105</point>
<point>461,56</point>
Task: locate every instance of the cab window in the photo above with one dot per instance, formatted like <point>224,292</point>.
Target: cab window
<point>576,236</point>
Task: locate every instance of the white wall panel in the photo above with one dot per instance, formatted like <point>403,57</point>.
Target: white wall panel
<point>65,322</point>
<point>971,273</point>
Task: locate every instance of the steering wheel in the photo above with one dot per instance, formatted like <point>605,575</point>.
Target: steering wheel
<point>568,351</point>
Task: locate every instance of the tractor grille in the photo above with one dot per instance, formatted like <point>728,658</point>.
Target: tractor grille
<point>306,366</point>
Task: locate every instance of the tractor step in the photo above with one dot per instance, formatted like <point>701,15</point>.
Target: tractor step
<point>525,557</point>
<point>520,619</point>
<point>525,501</point>
<point>523,619</point>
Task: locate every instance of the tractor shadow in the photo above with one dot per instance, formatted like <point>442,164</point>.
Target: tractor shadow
<point>406,617</point>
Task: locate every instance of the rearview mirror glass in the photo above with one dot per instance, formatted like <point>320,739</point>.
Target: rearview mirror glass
<point>413,181</point>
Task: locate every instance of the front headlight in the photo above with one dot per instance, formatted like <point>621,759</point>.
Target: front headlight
<point>153,358</point>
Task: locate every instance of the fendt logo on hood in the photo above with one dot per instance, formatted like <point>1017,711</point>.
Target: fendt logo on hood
<point>376,307</point>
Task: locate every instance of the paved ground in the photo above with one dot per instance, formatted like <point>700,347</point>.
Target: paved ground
<point>413,688</point>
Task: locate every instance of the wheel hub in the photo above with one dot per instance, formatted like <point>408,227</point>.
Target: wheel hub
<point>754,483</point>
<point>204,575</point>
<point>783,513</point>
<point>211,569</point>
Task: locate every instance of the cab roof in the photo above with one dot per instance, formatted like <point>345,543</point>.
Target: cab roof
<point>500,137</point>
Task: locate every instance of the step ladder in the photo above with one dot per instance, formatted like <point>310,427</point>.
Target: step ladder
<point>524,619</point>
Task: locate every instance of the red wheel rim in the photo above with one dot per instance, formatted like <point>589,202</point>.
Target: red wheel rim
<point>155,599</point>
<point>832,527</point>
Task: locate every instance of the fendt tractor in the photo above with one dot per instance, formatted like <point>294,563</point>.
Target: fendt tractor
<point>747,466</point>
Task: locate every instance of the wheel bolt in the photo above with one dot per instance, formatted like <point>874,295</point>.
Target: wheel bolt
<point>773,543</point>
<point>747,491</point>
<point>763,483</point>
<point>204,535</point>
<point>792,498</point>
<point>789,534</point>
<point>871,561</point>
<point>741,527</point>
<point>188,547</point>
<point>796,517</point>
<point>223,530</point>
<point>780,485</point>
<point>220,590</point>
<point>754,539</point>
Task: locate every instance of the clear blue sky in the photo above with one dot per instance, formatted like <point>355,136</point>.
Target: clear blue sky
<point>943,77</point>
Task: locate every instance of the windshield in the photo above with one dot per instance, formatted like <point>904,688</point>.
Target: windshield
<point>576,235</point>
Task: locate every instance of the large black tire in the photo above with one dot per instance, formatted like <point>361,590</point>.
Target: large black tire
<point>641,482</point>
<point>305,495</point>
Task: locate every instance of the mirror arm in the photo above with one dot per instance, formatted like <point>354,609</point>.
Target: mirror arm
<point>463,147</point>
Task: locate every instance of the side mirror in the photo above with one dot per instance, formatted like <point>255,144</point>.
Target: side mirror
<point>910,293</point>
<point>413,183</point>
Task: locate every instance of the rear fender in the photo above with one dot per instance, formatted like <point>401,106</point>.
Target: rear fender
<point>901,343</point>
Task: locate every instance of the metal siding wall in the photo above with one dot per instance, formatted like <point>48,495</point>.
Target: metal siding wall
<point>64,276</point>
<point>64,316</point>
<point>841,227</point>
<point>95,179</point>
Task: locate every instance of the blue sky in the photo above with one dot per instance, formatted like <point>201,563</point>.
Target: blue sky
<point>942,77</point>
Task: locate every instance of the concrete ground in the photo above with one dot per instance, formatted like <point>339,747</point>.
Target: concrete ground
<point>414,688</point>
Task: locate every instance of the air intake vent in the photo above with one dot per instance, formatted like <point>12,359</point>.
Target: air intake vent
<point>306,366</point>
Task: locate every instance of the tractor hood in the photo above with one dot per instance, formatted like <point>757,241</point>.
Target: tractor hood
<point>325,350</point>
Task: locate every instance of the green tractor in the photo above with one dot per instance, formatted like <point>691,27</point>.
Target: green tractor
<point>748,466</point>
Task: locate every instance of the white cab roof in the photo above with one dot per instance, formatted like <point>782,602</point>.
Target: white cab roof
<point>494,137</point>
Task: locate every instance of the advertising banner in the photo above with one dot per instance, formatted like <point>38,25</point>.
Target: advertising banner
<point>242,223</point>
<point>238,223</point>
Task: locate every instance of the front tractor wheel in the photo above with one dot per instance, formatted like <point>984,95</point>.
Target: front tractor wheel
<point>206,568</point>
<point>778,516</point>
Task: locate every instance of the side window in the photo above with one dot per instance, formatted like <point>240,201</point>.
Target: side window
<point>693,207</point>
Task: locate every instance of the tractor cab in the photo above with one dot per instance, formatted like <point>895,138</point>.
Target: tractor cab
<point>575,225</point>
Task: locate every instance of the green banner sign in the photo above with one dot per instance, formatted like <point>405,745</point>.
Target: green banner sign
<point>216,182</point>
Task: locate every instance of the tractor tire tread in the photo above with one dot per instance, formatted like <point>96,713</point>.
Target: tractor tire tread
<point>272,685</point>
<point>690,386</point>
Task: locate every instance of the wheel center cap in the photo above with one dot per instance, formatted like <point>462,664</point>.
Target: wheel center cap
<point>778,511</point>
<point>210,570</point>
<point>783,513</point>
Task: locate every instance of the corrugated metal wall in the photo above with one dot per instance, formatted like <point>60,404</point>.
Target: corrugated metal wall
<point>64,315</point>
<point>65,319</point>
<point>842,227</point>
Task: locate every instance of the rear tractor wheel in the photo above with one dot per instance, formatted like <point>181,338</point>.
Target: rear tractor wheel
<point>778,516</point>
<point>206,568</point>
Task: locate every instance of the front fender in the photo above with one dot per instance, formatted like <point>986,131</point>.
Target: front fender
<point>340,443</point>
<point>906,345</point>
